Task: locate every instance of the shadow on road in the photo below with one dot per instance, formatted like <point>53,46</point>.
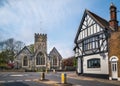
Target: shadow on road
<point>13,84</point>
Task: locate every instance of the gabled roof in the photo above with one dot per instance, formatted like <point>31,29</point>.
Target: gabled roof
<point>22,50</point>
<point>102,22</point>
<point>55,52</point>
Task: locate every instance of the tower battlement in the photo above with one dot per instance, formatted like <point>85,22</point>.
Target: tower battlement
<point>40,37</point>
<point>40,42</point>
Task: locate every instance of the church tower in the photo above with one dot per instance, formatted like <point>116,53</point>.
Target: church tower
<point>40,50</point>
<point>40,42</point>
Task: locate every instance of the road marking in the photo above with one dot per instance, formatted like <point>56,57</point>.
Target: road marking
<point>19,80</point>
<point>11,81</point>
<point>17,75</point>
<point>35,79</point>
<point>28,80</point>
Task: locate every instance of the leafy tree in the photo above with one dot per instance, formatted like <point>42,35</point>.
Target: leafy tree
<point>31,47</point>
<point>8,50</point>
<point>75,62</point>
<point>12,45</point>
<point>68,61</point>
<point>5,57</point>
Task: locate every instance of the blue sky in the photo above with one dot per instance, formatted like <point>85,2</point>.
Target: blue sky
<point>59,19</point>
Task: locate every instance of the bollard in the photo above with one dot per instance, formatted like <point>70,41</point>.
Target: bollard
<point>63,78</point>
<point>42,76</point>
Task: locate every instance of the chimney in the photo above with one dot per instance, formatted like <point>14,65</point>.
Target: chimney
<point>113,23</point>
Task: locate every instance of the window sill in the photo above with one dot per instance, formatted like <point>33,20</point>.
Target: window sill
<point>93,69</point>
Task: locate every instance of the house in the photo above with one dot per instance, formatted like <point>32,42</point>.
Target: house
<point>39,58</point>
<point>97,45</point>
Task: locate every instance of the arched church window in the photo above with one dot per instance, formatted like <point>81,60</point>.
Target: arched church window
<point>54,60</point>
<point>25,61</point>
<point>40,59</point>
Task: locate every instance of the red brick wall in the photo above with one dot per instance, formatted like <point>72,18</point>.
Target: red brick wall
<point>114,49</point>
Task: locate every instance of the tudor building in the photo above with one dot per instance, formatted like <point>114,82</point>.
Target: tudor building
<point>97,45</point>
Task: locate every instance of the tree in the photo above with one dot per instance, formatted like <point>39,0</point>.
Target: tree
<point>69,63</point>
<point>18,46</point>
<point>31,48</point>
<point>12,45</point>
<point>75,62</point>
<point>9,48</point>
<point>6,57</point>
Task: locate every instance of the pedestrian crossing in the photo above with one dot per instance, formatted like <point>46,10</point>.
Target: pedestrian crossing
<point>12,75</point>
<point>26,80</point>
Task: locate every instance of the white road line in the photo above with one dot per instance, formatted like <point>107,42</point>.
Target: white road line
<point>28,80</point>
<point>19,80</point>
<point>2,81</point>
<point>11,81</point>
<point>17,75</point>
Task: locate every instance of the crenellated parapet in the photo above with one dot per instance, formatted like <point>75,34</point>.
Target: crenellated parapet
<point>40,37</point>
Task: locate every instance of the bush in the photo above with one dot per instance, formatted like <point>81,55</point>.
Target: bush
<point>3,66</point>
<point>70,68</point>
<point>41,69</point>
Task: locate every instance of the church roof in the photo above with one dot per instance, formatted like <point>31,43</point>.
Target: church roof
<point>102,22</point>
<point>55,52</point>
<point>22,50</point>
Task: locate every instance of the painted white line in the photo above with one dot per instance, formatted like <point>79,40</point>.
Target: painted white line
<point>11,81</point>
<point>28,80</point>
<point>17,75</point>
<point>19,80</point>
<point>2,81</point>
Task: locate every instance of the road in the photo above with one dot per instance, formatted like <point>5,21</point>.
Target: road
<point>20,79</point>
<point>32,79</point>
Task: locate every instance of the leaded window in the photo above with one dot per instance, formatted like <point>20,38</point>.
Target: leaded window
<point>40,59</point>
<point>91,43</point>
<point>25,61</point>
<point>54,61</point>
<point>93,63</point>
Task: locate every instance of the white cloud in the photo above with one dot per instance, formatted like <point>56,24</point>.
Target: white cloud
<point>62,48</point>
<point>22,18</point>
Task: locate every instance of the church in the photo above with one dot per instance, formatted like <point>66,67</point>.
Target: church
<point>39,59</point>
<point>97,45</point>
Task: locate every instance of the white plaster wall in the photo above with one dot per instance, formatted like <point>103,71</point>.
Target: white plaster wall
<point>103,68</point>
<point>79,65</point>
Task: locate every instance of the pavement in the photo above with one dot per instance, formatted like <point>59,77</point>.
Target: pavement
<point>73,75</point>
